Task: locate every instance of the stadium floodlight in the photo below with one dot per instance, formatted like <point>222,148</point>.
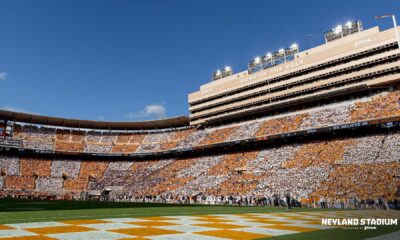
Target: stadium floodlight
<point>341,31</point>
<point>349,24</point>
<point>282,53</point>
<point>293,49</point>
<point>267,60</point>
<point>338,29</point>
<point>216,75</point>
<point>294,46</point>
<point>272,59</point>
<point>227,71</point>
<point>394,25</point>
<point>255,63</point>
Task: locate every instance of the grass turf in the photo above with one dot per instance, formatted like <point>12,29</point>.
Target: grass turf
<point>337,233</point>
<point>17,211</point>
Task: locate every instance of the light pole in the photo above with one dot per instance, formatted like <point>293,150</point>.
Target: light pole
<point>394,24</point>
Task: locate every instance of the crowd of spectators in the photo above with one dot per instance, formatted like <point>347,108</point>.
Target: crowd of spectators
<point>217,135</point>
<point>361,171</point>
<point>362,181</point>
<point>364,150</point>
<point>298,182</point>
<point>9,165</point>
<point>323,117</point>
<point>281,125</point>
<point>65,168</point>
<point>328,173</point>
<point>271,158</point>
<point>245,131</point>
<point>319,153</point>
<point>386,104</point>
<point>35,137</point>
<point>45,138</point>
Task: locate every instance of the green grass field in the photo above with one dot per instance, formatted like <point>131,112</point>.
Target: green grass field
<point>16,211</point>
<point>19,211</point>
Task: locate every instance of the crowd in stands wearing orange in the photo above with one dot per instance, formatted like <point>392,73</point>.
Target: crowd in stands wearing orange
<point>377,105</point>
<point>337,171</point>
<point>384,105</point>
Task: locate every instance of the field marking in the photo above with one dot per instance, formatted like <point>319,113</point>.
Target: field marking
<point>161,227</point>
<point>116,215</point>
<point>107,215</point>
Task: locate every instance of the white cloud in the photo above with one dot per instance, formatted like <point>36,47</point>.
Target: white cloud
<point>150,111</point>
<point>13,109</point>
<point>3,75</point>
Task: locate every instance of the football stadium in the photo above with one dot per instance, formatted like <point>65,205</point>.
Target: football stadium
<point>303,144</point>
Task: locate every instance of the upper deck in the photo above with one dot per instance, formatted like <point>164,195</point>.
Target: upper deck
<point>329,67</point>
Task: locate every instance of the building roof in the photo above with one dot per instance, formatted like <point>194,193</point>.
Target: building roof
<point>176,122</point>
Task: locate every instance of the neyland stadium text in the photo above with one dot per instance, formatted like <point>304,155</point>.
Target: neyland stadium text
<point>359,222</point>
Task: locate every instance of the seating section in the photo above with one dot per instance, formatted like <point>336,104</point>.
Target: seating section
<point>390,148</point>
<point>152,142</point>
<point>281,125</point>
<point>99,142</point>
<point>163,141</point>
<point>238,181</point>
<point>298,182</point>
<point>245,131</point>
<point>145,176</point>
<point>176,138</point>
<point>384,105</point>
<point>193,139</point>
<point>35,167</point>
<point>217,135</point>
<point>198,179</point>
<point>35,137</point>
<point>164,180</point>
<point>70,141</point>
<point>323,117</point>
<point>374,106</point>
<point>365,150</point>
<point>127,143</point>
<point>366,167</point>
<point>19,182</point>
<point>88,171</point>
<point>364,181</point>
<point>9,166</point>
<point>65,168</point>
<point>319,153</point>
<point>50,185</point>
<point>271,158</point>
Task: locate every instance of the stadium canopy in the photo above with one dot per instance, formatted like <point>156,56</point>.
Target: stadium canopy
<point>176,122</point>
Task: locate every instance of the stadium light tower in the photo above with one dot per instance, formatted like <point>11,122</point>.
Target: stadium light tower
<point>283,53</point>
<point>394,24</point>
<point>339,30</point>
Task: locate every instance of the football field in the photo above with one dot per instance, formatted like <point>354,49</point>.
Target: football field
<point>23,219</point>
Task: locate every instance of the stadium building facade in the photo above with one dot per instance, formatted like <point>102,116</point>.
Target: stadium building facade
<point>359,61</point>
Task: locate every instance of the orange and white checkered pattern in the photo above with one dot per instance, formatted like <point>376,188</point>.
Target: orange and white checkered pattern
<point>207,227</point>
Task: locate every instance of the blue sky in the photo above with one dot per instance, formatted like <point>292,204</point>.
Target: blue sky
<point>137,60</point>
